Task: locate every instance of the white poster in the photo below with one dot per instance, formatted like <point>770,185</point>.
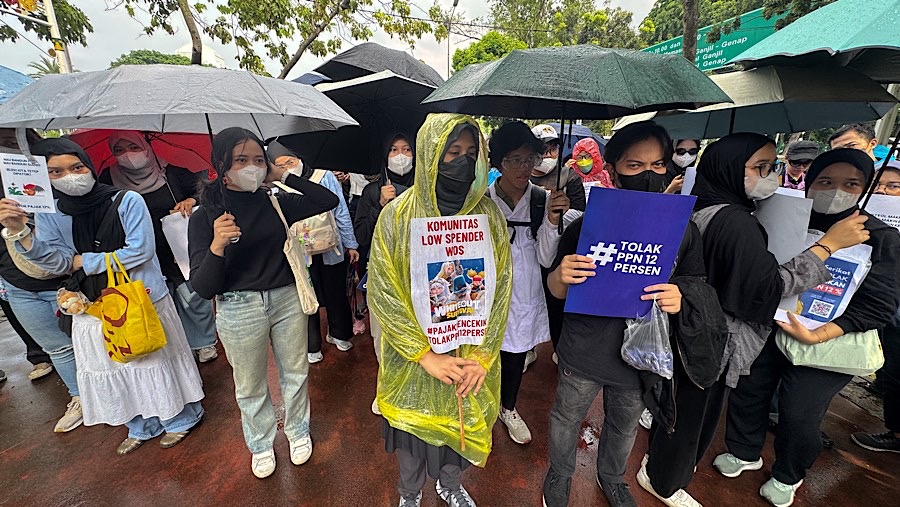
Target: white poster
<point>26,181</point>
<point>785,218</point>
<point>452,278</point>
<point>175,228</point>
<point>690,178</point>
<point>885,207</point>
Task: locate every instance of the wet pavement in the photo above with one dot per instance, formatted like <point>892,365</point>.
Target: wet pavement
<point>349,466</point>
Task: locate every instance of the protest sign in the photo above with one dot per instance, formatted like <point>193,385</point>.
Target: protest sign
<point>26,181</point>
<point>452,279</point>
<point>785,217</point>
<point>690,179</point>
<point>885,207</point>
<point>175,229</point>
<point>634,238</point>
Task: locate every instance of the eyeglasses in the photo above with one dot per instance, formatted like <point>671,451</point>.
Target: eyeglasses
<point>551,150</point>
<point>893,186</point>
<point>529,162</point>
<point>800,163</point>
<point>682,151</point>
<point>765,169</point>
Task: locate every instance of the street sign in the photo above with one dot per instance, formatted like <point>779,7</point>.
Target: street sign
<point>753,28</point>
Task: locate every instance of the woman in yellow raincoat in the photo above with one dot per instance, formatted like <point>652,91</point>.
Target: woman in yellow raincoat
<point>418,388</point>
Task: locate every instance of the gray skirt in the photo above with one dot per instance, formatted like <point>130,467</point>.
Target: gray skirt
<point>434,457</point>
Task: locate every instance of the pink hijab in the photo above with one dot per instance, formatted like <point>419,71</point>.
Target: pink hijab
<point>597,174</point>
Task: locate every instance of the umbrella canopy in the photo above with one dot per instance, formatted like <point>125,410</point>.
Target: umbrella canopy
<point>585,81</point>
<point>862,34</point>
<point>370,58</point>
<point>769,100</point>
<point>191,151</point>
<point>11,82</point>
<point>383,104</point>
<point>172,98</point>
<point>312,79</point>
<point>579,132</point>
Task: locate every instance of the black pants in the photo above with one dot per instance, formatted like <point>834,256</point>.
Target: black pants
<point>511,366</point>
<point>889,377</point>
<point>330,283</point>
<point>672,458</point>
<point>555,309</point>
<point>804,397</point>
<point>33,352</point>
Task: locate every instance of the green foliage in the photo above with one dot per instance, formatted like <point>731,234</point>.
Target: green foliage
<point>665,19</point>
<point>73,25</point>
<point>492,46</point>
<point>43,67</point>
<point>795,9</point>
<point>149,57</point>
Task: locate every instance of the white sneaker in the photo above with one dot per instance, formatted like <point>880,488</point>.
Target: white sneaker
<point>778,493</point>
<point>415,501</point>
<point>681,498</point>
<point>518,430</point>
<point>315,357</point>
<point>301,450</point>
<point>263,464</point>
<point>375,409</point>
<point>458,498</point>
<point>342,345</point>
<point>72,418</point>
<point>646,420</point>
<point>40,370</point>
<point>730,465</point>
<point>207,354</point>
<point>530,357</point>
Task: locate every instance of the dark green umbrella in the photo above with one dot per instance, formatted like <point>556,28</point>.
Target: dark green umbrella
<point>585,82</point>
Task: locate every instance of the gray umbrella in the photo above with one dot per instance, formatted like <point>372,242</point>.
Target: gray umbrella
<point>371,58</point>
<point>770,100</point>
<point>172,98</point>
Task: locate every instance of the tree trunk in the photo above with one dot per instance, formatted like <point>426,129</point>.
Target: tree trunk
<point>317,30</point>
<point>691,20</point>
<point>196,43</point>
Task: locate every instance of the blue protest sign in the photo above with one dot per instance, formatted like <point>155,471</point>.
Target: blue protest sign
<point>634,239</point>
<point>362,283</point>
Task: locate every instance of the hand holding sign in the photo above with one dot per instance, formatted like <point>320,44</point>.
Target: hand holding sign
<point>848,232</point>
<point>12,216</point>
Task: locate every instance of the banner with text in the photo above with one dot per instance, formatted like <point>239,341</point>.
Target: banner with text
<point>26,181</point>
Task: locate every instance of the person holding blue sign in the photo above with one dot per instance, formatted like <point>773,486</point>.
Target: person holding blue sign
<point>836,181</point>
<point>589,349</point>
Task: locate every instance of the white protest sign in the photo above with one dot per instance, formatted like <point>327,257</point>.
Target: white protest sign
<point>175,229</point>
<point>885,207</point>
<point>690,178</point>
<point>785,217</point>
<point>452,279</point>
<point>26,181</point>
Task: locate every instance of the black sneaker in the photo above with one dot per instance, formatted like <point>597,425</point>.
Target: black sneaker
<point>617,493</point>
<point>556,490</point>
<point>883,442</point>
<point>827,442</point>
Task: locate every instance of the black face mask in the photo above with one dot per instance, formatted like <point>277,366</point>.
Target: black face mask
<point>454,180</point>
<point>647,181</point>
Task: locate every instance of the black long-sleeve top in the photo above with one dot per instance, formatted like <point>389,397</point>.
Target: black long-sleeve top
<point>257,261</point>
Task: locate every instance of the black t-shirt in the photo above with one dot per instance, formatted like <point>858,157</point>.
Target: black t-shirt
<point>591,346</point>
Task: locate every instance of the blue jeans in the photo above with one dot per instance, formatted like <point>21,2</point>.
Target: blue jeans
<point>145,429</point>
<point>36,312</point>
<point>196,316</point>
<point>247,322</point>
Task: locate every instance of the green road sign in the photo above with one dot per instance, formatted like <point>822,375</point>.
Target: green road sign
<point>754,28</point>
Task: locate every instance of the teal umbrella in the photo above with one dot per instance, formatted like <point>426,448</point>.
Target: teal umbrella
<point>585,82</point>
<point>862,34</point>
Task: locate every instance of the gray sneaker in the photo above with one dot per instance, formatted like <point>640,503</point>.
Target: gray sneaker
<point>207,354</point>
<point>617,493</point>
<point>72,418</point>
<point>778,493</point>
<point>730,465</point>
<point>556,490</point>
<point>411,501</point>
<point>458,498</point>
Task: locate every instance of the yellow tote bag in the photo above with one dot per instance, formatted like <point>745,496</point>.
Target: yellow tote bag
<point>131,326</point>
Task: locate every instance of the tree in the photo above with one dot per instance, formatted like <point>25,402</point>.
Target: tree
<point>666,19</point>
<point>149,57</point>
<point>691,25</point>
<point>794,8</point>
<point>43,67</point>
<point>73,25</point>
<point>493,46</point>
<point>523,19</point>
<point>607,27</point>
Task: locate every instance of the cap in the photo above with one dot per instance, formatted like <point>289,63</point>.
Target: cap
<point>545,133</point>
<point>802,150</point>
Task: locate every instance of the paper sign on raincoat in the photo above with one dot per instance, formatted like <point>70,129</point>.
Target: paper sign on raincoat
<point>452,276</point>
<point>634,238</point>
<point>26,181</point>
<point>885,207</point>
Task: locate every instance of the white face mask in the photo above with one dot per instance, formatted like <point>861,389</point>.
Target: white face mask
<point>683,160</point>
<point>760,188</point>
<point>546,165</point>
<point>134,159</point>
<point>400,164</point>
<point>248,179</point>
<point>74,185</point>
<point>831,202</point>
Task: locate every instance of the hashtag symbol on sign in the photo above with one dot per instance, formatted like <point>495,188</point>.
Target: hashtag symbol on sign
<point>603,254</point>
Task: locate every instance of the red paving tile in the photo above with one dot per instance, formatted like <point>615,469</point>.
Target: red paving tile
<point>349,466</point>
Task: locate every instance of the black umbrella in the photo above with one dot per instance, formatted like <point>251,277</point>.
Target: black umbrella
<point>371,58</point>
<point>383,104</point>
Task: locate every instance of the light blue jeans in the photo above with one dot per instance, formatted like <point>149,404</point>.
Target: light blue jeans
<point>145,429</point>
<point>36,312</point>
<point>196,316</point>
<point>247,322</point>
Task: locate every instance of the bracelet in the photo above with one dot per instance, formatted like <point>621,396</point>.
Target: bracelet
<point>823,247</point>
<point>17,236</point>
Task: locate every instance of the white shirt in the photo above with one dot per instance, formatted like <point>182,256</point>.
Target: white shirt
<point>357,183</point>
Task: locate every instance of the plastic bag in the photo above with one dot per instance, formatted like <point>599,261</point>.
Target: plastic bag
<point>646,345</point>
<point>72,303</point>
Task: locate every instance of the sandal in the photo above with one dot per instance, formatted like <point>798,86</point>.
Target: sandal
<point>128,445</point>
<point>172,439</point>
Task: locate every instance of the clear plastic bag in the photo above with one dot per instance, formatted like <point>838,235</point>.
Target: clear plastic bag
<point>646,346</point>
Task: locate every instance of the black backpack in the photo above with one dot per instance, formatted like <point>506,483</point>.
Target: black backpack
<point>537,211</point>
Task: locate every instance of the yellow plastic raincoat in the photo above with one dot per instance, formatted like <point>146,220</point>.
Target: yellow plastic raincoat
<point>409,398</point>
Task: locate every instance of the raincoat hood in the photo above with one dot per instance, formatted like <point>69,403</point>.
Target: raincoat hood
<point>597,173</point>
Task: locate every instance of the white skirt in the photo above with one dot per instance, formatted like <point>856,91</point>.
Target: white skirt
<point>157,385</point>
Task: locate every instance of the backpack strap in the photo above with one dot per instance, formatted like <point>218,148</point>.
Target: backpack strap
<point>538,209</point>
<point>111,215</point>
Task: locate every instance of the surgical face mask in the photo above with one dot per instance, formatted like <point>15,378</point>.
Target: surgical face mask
<point>647,181</point>
<point>585,165</point>
<point>832,202</point>
<point>134,159</point>
<point>74,185</point>
<point>248,179</point>
<point>684,160</point>
<point>758,188</point>
<point>546,165</point>
<point>400,164</point>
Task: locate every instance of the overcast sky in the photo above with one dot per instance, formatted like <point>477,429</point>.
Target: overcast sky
<point>115,33</point>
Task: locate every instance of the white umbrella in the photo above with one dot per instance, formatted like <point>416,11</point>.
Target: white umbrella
<point>172,98</point>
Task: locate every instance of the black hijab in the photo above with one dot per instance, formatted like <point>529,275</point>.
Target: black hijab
<point>738,263</point>
<point>87,211</point>
<point>856,158</point>
<point>276,149</point>
<point>407,179</point>
<point>720,174</point>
